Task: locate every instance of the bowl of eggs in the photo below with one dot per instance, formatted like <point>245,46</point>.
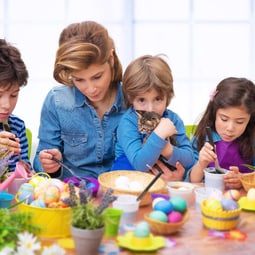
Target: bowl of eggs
<point>168,215</point>
<point>132,183</point>
<point>220,214</point>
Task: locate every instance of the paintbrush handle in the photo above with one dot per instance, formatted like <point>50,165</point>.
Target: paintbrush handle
<point>209,134</point>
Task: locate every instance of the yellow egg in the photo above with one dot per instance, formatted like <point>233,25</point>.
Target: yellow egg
<point>213,204</point>
<point>251,194</point>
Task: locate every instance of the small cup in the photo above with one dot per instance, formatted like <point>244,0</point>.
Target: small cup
<point>113,221</point>
<point>5,199</point>
<point>214,179</point>
<point>129,206</point>
<point>204,193</point>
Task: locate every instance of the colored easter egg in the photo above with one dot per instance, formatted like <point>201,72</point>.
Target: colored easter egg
<point>251,194</point>
<point>142,229</point>
<point>232,194</point>
<point>213,204</point>
<point>36,180</point>
<point>51,195</point>
<point>26,192</point>
<point>38,203</point>
<point>154,202</point>
<point>164,205</point>
<point>179,203</point>
<point>229,204</point>
<point>174,217</point>
<point>159,216</point>
<point>58,183</point>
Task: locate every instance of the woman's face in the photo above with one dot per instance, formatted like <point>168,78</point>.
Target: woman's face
<point>94,81</point>
<point>231,122</point>
<point>150,101</point>
<point>8,100</point>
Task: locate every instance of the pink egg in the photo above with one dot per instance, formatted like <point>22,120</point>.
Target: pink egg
<point>174,217</point>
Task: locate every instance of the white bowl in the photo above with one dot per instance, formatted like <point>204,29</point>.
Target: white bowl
<point>182,189</point>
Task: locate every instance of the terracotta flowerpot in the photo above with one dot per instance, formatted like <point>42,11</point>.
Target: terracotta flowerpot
<point>86,241</point>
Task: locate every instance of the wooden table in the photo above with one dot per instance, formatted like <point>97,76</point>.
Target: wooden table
<point>193,238</point>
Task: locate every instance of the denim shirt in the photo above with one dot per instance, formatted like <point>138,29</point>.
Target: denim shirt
<point>70,124</point>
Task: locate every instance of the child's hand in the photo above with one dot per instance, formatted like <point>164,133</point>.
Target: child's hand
<point>10,142</point>
<point>165,128</point>
<point>206,155</point>
<point>49,165</point>
<point>232,179</point>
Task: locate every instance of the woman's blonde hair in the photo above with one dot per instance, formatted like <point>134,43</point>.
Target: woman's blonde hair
<point>145,73</point>
<point>81,45</point>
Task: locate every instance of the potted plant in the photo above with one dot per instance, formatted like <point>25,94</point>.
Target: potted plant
<point>88,218</point>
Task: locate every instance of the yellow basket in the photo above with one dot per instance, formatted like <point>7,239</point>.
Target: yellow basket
<point>107,180</point>
<point>248,181</point>
<point>166,228</point>
<point>219,220</point>
<point>54,222</point>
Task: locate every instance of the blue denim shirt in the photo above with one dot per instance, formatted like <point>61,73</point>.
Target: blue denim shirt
<point>70,124</point>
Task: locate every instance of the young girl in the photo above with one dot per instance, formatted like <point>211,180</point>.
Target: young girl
<point>148,86</point>
<point>231,116</point>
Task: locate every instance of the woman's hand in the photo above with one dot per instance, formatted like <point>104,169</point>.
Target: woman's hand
<point>231,179</point>
<point>169,175</point>
<point>10,142</point>
<point>49,165</point>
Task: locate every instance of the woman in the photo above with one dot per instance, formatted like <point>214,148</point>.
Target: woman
<point>79,118</point>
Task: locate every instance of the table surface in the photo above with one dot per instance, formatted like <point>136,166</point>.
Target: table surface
<point>193,238</point>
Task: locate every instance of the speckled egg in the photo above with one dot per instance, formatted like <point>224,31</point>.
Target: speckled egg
<point>229,204</point>
<point>232,194</point>
<point>174,217</point>
<point>251,194</point>
<point>156,200</point>
<point>179,204</point>
<point>164,206</point>
<point>213,204</point>
<point>142,229</point>
<point>159,216</point>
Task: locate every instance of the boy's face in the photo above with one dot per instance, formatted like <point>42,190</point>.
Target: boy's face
<point>150,101</point>
<point>8,100</point>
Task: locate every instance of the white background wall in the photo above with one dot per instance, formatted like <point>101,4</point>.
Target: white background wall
<point>205,41</point>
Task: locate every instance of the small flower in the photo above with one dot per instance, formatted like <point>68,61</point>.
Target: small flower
<point>213,93</point>
<point>53,250</point>
<point>7,251</point>
<point>27,242</point>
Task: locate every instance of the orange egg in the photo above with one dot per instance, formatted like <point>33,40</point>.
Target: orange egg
<point>52,194</point>
<point>232,194</point>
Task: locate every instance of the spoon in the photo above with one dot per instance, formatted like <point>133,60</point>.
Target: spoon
<point>217,164</point>
<point>151,183</point>
<point>67,168</point>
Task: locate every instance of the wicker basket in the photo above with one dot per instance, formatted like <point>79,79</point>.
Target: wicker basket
<point>164,228</point>
<point>219,220</point>
<point>248,181</point>
<point>107,180</point>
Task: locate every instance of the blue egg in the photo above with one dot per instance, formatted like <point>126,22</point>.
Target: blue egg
<point>164,205</point>
<point>229,204</point>
<point>159,216</point>
<point>38,203</point>
<point>142,229</point>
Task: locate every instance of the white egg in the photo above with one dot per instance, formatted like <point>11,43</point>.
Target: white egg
<point>122,181</point>
<point>156,200</point>
<point>135,185</point>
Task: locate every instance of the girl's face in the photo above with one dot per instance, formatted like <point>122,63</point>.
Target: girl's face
<point>150,101</point>
<point>8,101</point>
<point>94,81</point>
<point>231,122</point>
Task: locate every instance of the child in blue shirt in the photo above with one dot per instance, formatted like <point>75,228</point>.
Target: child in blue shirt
<point>148,86</point>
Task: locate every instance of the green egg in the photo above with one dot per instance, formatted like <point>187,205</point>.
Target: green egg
<point>179,203</point>
<point>159,216</point>
<point>142,229</point>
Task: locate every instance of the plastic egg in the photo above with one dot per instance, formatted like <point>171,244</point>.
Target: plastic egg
<point>213,204</point>
<point>229,204</point>
<point>38,203</point>
<point>159,216</point>
<point>154,202</point>
<point>232,194</point>
<point>164,206</point>
<point>142,229</point>
<point>179,204</point>
<point>251,194</point>
<point>174,217</point>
